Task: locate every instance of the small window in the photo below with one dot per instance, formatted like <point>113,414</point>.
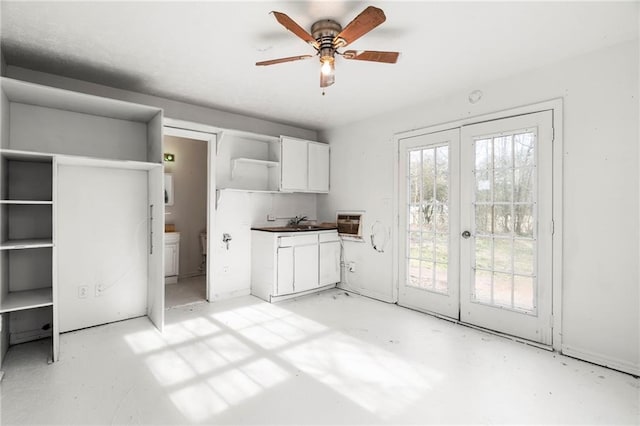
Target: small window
<point>350,224</point>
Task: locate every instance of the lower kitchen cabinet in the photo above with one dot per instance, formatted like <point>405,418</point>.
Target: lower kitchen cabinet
<point>329,258</point>
<point>288,264</point>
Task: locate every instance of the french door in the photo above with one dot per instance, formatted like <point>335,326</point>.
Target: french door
<point>476,224</point>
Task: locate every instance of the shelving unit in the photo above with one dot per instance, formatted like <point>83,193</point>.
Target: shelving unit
<point>26,246</point>
<point>252,161</point>
<point>48,134</point>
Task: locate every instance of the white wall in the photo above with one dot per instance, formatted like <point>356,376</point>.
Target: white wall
<point>236,213</point>
<point>172,109</point>
<point>600,318</point>
<point>189,211</point>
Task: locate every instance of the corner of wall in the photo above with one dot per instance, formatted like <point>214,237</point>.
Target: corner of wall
<point>3,65</point>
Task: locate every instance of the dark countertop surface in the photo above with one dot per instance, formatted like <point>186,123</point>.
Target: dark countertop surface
<point>300,228</point>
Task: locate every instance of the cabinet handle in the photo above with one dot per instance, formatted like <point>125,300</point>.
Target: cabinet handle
<point>151,229</point>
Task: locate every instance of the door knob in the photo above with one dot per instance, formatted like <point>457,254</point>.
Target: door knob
<point>466,234</point>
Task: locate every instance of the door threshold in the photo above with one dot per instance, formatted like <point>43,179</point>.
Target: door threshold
<point>485,330</point>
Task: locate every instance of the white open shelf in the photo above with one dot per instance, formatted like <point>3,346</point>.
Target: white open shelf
<point>26,244</point>
<point>253,161</point>
<point>26,299</point>
<point>34,202</point>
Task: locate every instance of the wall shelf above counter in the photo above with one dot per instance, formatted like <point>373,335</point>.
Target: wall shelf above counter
<point>235,162</point>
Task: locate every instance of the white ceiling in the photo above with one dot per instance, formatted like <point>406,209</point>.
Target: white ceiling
<point>204,52</point>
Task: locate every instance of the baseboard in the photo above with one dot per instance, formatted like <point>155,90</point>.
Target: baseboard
<point>302,293</point>
<point>171,280</point>
<point>231,294</point>
<point>603,360</point>
<point>28,336</point>
<point>367,293</point>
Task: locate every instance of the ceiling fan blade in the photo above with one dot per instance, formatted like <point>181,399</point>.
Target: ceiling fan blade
<point>372,55</point>
<point>292,26</point>
<point>281,60</point>
<point>368,19</point>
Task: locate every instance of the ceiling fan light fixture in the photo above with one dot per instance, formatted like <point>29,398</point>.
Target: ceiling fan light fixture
<point>328,66</point>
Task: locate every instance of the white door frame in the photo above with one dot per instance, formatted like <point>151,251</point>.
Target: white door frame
<point>553,105</point>
<point>208,134</point>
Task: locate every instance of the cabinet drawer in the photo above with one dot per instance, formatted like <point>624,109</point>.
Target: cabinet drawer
<point>328,237</point>
<point>298,240</point>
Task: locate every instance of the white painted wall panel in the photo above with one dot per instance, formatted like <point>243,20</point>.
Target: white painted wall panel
<point>35,128</point>
<point>237,212</point>
<point>102,241</point>
<point>601,188</point>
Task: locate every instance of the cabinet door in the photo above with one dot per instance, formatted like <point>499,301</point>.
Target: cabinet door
<point>285,271</point>
<point>329,263</point>
<point>294,165</point>
<point>305,268</point>
<point>318,167</point>
<point>170,260</point>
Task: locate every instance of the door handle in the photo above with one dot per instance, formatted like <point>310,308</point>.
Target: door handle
<point>466,234</point>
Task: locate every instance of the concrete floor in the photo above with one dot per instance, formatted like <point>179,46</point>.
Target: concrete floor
<point>328,359</point>
<point>185,291</point>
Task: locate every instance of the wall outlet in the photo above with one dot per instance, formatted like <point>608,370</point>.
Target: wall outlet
<point>225,269</point>
<point>351,266</point>
<point>99,290</point>
<point>83,291</point>
<point>271,218</point>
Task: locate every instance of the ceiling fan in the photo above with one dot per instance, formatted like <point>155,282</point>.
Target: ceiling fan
<point>327,36</point>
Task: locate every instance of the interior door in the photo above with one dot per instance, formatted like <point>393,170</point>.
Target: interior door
<point>507,225</point>
<point>429,241</point>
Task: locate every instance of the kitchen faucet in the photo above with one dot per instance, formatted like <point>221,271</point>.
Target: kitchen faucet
<point>294,221</point>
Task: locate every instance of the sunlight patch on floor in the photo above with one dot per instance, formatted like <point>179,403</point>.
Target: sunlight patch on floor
<point>211,363</point>
<point>373,378</point>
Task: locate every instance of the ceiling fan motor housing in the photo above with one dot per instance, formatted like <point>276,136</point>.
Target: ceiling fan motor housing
<point>324,32</point>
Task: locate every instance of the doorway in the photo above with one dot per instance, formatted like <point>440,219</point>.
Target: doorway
<point>187,198</point>
<point>476,224</point>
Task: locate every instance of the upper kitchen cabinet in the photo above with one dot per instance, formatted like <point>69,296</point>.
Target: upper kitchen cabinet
<point>304,166</point>
<point>44,119</point>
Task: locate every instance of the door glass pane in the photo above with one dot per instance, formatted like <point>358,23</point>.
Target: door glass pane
<point>484,250</point>
<point>484,219</point>
<point>524,220</point>
<point>428,243</point>
<point>524,149</point>
<point>502,185</point>
<point>502,156</point>
<point>504,230</point>
<point>426,275</point>
<point>413,272</point>
<point>483,186</point>
<point>523,256</point>
<point>502,220</point>
<point>483,286</point>
<point>441,284</point>
<point>522,184</point>
<point>428,211</point>
<point>502,285</point>
<point>502,253</point>
<point>484,159</point>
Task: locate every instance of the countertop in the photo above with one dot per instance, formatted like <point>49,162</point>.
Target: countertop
<point>299,228</point>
